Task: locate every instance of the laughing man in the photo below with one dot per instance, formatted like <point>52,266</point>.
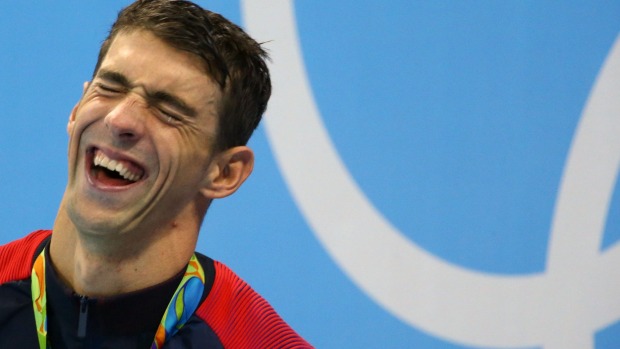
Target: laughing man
<point>159,132</point>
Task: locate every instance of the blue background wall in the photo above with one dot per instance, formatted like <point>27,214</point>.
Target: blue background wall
<point>455,118</point>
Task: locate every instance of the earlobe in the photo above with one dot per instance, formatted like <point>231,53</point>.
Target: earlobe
<point>227,172</point>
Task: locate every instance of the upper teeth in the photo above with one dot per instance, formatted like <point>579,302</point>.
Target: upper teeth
<point>113,165</point>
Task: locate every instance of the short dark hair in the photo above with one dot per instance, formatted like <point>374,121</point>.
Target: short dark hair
<point>231,57</point>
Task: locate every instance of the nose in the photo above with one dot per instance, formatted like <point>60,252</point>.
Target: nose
<point>126,120</point>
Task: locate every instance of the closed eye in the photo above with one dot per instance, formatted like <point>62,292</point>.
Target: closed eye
<point>169,117</point>
<point>108,89</point>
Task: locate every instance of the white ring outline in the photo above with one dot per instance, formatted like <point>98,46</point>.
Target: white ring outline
<point>560,308</point>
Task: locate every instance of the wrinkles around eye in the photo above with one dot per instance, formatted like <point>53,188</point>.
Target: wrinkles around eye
<point>108,90</point>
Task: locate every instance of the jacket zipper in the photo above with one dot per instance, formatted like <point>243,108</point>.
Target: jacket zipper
<point>82,322</point>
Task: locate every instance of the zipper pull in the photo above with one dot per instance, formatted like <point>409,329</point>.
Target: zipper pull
<point>81,332</point>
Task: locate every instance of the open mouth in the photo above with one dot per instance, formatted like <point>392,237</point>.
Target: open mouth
<point>114,172</point>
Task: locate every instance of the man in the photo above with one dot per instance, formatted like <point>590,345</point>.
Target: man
<point>158,133</point>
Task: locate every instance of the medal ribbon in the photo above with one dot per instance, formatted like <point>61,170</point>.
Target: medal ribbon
<point>184,302</point>
<point>39,299</point>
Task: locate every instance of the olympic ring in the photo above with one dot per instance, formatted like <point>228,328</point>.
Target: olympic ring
<point>558,309</point>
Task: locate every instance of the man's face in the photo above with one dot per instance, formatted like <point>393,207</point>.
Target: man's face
<point>141,138</point>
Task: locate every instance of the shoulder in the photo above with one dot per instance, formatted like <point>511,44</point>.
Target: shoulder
<point>241,318</point>
<point>16,257</point>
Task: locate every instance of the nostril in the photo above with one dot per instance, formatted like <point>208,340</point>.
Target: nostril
<point>126,134</point>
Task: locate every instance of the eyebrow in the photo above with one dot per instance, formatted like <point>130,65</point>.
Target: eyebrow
<point>153,97</point>
<point>114,77</point>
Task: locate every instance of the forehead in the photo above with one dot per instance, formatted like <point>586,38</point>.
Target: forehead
<point>150,63</point>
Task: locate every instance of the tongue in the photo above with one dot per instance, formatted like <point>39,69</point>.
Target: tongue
<point>110,178</point>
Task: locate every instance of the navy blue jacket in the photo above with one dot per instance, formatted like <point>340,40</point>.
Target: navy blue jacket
<point>231,314</point>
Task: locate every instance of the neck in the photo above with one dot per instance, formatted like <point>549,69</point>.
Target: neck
<point>103,265</point>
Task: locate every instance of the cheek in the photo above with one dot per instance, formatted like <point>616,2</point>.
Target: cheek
<point>197,144</point>
<point>194,159</point>
<point>183,150</point>
<point>85,116</point>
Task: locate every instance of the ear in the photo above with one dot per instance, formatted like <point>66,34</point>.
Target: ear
<point>228,170</point>
<point>72,119</point>
<point>75,107</point>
